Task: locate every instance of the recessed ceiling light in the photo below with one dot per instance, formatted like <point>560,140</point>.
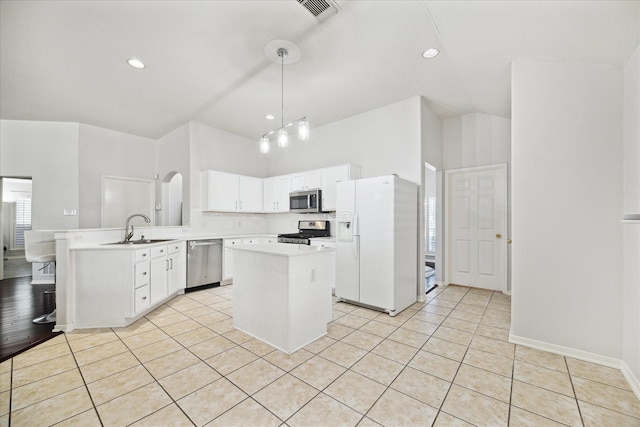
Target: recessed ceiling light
<point>135,63</point>
<point>269,117</point>
<point>430,53</point>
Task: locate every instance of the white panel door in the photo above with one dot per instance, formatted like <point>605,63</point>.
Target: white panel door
<point>476,214</point>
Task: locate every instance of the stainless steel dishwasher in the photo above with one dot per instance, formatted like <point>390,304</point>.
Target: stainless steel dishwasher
<point>204,262</point>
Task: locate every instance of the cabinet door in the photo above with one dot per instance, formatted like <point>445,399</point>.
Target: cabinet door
<point>312,179</point>
<point>284,188</point>
<point>227,271</point>
<point>250,199</point>
<point>159,268</point>
<point>305,180</point>
<point>221,191</point>
<point>270,194</point>
<point>330,178</point>
<point>297,182</point>
<point>175,269</point>
<point>141,299</point>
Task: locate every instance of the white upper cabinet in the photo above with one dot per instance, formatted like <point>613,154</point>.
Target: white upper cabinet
<point>276,193</point>
<point>305,180</point>
<point>229,192</point>
<point>250,198</point>
<point>330,177</point>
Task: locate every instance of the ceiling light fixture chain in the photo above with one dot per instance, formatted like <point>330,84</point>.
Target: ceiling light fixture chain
<point>303,125</point>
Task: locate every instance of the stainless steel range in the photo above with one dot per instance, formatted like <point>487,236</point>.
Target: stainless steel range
<point>306,231</point>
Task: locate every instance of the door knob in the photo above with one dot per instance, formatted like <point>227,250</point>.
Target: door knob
<point>509,241</point>
<point>498,236</point>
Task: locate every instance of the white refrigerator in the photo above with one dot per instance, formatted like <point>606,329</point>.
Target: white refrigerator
<point>377,242</point>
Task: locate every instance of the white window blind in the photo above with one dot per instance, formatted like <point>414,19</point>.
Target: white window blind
<point>22,220</point>
<point>431,225</point>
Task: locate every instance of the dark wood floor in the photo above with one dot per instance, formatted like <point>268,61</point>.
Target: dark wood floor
<point>20,303</point>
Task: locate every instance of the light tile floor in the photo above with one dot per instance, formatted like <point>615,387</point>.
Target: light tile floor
<point>445,362</point>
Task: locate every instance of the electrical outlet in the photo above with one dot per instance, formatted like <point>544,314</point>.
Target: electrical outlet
<point>70,212</point>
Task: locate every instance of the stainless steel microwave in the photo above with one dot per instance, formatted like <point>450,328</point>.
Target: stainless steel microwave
<point>307,201</point>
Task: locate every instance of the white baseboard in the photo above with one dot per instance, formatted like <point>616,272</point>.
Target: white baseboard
<point>43,282</point>
<point>586,356</point>
<point>633,381</point>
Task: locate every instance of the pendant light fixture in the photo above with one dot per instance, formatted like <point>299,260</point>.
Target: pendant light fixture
<point>282,49</point>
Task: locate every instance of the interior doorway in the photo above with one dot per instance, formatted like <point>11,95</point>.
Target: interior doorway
<point>15,220</point>
<point>431,206</point>
<point>476,229</point>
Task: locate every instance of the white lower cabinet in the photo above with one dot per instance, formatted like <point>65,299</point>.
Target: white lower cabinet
<point>176,277</point>
<point>115,286</point>
<point>159,271</point>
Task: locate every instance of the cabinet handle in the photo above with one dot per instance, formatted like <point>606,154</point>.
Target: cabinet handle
<point>144,254</point>
<point>236,205</point>
<point>144,273</point>
<point>171,263</point>
<point>240,204</point>
<point>167,269</point>
<point>144,297</point>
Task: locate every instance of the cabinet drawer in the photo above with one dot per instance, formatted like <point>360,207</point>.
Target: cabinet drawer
<point>158,251</point>
<point>175,248</point>
<point>142,255</point>
<point>142,274</point>
<point>141,299</point>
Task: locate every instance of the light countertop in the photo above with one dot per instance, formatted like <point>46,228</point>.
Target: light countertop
<point>282,249</point>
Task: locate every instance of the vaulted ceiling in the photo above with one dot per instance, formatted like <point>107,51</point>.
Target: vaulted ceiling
<point>206,62</point>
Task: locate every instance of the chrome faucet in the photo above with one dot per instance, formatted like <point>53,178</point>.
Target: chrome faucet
<point>128,235</point>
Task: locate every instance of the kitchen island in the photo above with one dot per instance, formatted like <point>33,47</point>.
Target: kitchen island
<point>282,293</point>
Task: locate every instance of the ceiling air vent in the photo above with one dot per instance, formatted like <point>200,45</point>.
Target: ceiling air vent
<point>320,9</point>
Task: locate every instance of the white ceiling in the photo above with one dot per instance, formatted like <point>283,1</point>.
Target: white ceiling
<point>205,60</point>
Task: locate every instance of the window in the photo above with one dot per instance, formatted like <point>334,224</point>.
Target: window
<point>22,220</point>
<point>431,225</point>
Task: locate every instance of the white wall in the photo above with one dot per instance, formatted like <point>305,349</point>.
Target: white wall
<point>219,150</point>
<point>383,141</point>
<point>476,140</point>
<point>631,204</point>
<point>47,152</point>
<point>174,154</point>
<point>112,153</point>
<point>567,198</point>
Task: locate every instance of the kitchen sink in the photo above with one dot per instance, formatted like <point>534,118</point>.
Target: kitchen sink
<point>140,242</point>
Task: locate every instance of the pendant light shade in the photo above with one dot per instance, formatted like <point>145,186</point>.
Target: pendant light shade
<point>283,138</point>
<point>265,146</point>
<point>276,52</point>
<point>303,130</point>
